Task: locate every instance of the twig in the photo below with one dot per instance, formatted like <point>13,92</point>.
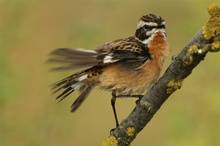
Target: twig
<point>206,40</point>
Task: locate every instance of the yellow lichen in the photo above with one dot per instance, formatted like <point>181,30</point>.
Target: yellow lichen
<point>130,131</point>
<point>188,58</point>
<point>173,86</point>
<point>215,46</point>
<point>193,49</point>
<point>212,27</point>
<point>110,141</point>
<point>213,9</point>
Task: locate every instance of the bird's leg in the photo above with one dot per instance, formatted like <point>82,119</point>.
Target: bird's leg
<point>113,100</point>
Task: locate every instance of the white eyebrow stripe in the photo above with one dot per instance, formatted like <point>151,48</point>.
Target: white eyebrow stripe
<point>142,23</point>
<point>163,22</point>
<point>151,23</point>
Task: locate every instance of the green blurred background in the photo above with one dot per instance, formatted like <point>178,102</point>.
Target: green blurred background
<point>30,29</point>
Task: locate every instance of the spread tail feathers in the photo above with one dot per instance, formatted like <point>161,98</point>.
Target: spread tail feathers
<point>83,81</point>
<point>70,84</point>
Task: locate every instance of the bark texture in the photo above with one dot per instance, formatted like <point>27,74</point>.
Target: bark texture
<point>207,39</point>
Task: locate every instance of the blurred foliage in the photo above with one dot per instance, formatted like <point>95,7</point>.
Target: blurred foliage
<point>30,29</point>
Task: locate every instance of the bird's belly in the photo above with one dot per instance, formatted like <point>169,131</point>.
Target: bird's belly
<point>128,81</point>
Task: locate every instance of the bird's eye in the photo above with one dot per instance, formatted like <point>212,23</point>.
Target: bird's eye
<point>146,27</point>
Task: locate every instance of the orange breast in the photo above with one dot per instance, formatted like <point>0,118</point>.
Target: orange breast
<point>128,81</point>
<point>124,80</point>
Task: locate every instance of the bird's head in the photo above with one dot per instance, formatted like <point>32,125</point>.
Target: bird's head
<point>148,26</point>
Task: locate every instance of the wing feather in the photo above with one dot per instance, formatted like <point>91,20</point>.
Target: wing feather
<point>129,49</point>
<point>73,58</point>
<point>124,49</point>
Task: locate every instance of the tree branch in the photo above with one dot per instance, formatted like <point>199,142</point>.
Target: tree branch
<point>206,40</point>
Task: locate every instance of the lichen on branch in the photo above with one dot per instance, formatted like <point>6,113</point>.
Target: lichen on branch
<point>212,27</point>
<point>206,40</point>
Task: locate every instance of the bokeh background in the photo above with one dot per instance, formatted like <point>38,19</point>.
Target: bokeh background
<point>29,115</point>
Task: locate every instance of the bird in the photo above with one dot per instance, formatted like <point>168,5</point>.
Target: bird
<point>126,67</point>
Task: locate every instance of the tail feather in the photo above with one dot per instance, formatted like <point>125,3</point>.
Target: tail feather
<point>81,98</point>
<point>62,84</point>
<point>73,58</point>
<point>72,83</point>
<point>65,93</point>
<point>82,81</point>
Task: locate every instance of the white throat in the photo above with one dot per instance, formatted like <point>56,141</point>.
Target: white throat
<point>153,33</point>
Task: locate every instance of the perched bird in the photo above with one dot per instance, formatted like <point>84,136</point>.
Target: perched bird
<point>127,67</point>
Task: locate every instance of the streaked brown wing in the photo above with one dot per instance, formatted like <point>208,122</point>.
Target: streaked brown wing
<point>129,49</point>
<point>123,49</point>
